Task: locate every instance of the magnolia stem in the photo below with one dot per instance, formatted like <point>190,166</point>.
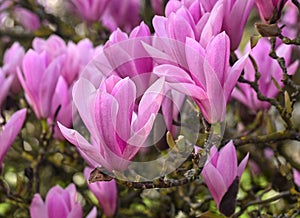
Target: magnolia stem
<point>269,200</point>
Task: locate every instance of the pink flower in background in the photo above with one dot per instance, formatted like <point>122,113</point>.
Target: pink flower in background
<point>27,19</point>
<point>53,47</point>
<point>266,8</point>
<point>5,83</point>
<point>122,14</point>
<point>296,175</point>
<point>10,131</point>
<point>269,70</point>
<point>105,192</point>
<point>209,18</point>
<point>117,132</point>
<point>221,174</point>
<point>59,203</point>
<point>39,81</point>
<point>12,60</point>
<point>90,10</point>
<point>209,79</point>
<point>157,6</point>
<point>75,61</point>
<point>128,58</point>
<point>61,102</point>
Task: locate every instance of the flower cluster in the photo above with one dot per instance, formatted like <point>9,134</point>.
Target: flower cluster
<point>133,83</point>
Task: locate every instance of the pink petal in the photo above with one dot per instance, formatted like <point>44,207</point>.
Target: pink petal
<point>56,206</point>
<point>195,57</point>
<point>214,181</point>
<point>37,208</point>
<point>242,166</point>
<point>227,163</point>
<point>218,55</point>
<point>125,94</point>
<point>92,213</point>
<point>150,103</point>
<point>233,75</point>
<point>10,131</point>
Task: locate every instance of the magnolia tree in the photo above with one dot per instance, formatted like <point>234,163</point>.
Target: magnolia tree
<point>140,108</point>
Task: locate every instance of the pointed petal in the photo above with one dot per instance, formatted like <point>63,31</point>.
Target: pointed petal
<point>242,166</point>
<point>92,213</point>
<point>125,94</point>
<point>227,163</point>
<point>88,152</point>
<point>37,208</point>
<point>217,55</point>
<point>233,75</point>
<point>195,54</point>
<point>214,182</point>
<point>150,103</point>
<point>56,206</point>
<point>173,74</point>
<point>83,91</point>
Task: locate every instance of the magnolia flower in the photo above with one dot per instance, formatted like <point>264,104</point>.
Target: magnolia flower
<point>122,14</point>
<point>209,18</point>
<point>296,175</point>
<point>221,174</point>
<point>157,6</point>
<point>267,8</point>
<point>74,61</point>
<point>128,58</point>
<point>27,19</point>
<point>5,83</point>
<point>39,81</point>
<point>90,10</point>
<point>209,79</point>
<point>10,131</point>
<point>117,132</point>
<point>53,47</point>
<point>59,203</point>
<point>269,70</point>
<point>235,16</point>
<point>61,102</point>
<point>12,60</point>
<point>105,192</point>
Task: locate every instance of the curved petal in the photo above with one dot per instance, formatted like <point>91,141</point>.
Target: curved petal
<point>37,208</point>
<point>242,166</point>
<point>227,163</point>
<point>56,205</point>
<point>214,181</point>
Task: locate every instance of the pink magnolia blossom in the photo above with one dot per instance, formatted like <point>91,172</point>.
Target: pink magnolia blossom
<point>221,174</point>
<point>10,131</point>
<point>12,60</point>
<point>157,6</point>
<point>28,19</point>
<point>5,83</point>
<point>122,14</point>
<point>117,132</point>
<point>53,47</point>
<point>269,70</point>
<point>128,57</point>
<point>90,10</point>
<point>235,16</point>
<point>74,61</point>
<point>209,79</point>
<point>105,192</point>
<point>296,175</point>
<point>209,19</point>
<point>39,81</point>
<point>266,8</point>
<point>61,102</point>
<point>59,203</point>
